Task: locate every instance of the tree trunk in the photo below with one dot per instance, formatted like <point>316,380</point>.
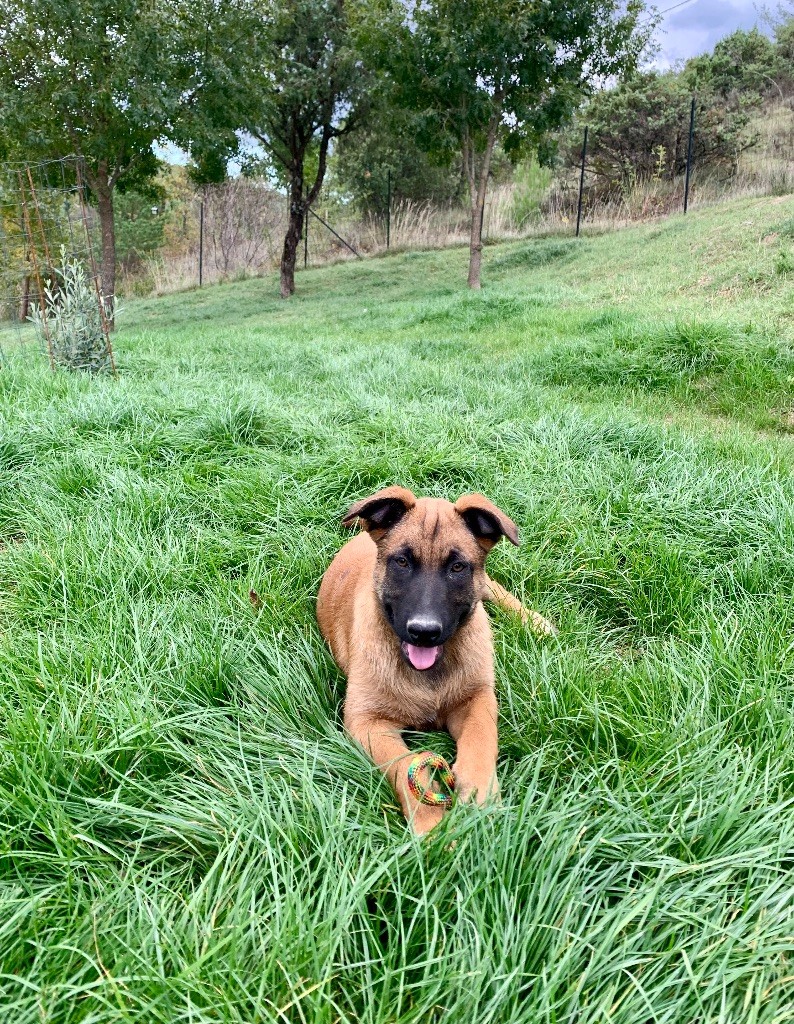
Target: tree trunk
<point>478,200</point>
<point>299,206</point>
<point>475,245</point>
<point>294,233</point>
<point>104,194</point>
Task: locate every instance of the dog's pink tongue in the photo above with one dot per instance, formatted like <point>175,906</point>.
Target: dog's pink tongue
<point>422,657</point>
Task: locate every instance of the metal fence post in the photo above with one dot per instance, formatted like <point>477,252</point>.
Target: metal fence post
<point>388,208</point>
<point>689,154</point>
<point>201,243</point>
<point>581,184</point>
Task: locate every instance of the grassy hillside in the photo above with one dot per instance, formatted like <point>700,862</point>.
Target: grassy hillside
<point>188,836</point>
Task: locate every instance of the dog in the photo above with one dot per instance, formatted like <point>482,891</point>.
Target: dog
<point>401,608</point>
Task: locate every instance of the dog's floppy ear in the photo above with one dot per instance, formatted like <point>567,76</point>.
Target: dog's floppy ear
<point>380,511</point>
<point>487,522</point>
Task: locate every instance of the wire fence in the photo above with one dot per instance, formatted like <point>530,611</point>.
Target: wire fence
<point>236,230</point>
<point>592,198</point>
<point>200,236</point>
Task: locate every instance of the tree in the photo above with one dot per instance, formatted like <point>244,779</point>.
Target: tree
<point>507,71</point>
<point>140,222</point>
<point>639,130</point>
<point>780,20</point>
<point>740,64</point>
<point>312,87</point>
<point>784,51</point>
<point>101,80</point>
<point>386,145</point>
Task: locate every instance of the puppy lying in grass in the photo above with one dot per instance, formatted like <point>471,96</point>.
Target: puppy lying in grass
<point>401,609</point>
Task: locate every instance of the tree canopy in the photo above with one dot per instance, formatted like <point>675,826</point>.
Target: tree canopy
<point>104,80</point>
<point>311,85</point>
<point>509,71</point>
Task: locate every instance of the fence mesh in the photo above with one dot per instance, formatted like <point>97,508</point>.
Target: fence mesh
<point>236,230</point>
<point>245,220</point>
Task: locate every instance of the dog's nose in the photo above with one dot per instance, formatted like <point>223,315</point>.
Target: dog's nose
<point>426,632</point>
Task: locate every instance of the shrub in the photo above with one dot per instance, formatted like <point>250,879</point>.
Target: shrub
<point>532,185</point>
<point>363,159</point>
<point>639,131</point>
<point>741,64</point>
<point>140,227</point>
<point>72,319</point>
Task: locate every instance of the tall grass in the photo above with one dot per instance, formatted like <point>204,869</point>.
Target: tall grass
<point>188,835</point>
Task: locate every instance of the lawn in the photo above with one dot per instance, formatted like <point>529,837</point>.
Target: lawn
<point>187,835</point>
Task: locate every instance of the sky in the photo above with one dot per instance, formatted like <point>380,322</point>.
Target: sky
<point>695,26</point>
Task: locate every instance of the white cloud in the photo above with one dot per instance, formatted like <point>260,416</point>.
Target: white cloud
<point>697,26</point>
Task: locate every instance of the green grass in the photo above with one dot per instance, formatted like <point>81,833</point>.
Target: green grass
<point>187,836</point>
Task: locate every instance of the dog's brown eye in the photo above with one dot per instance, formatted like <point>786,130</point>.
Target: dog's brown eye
<point>457,567</point>
<point>401,561</point>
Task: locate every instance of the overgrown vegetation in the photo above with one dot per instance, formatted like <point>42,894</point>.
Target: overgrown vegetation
<point>640,131</point>
<point>639,128</point>
<point>383,100</point>
<point>187,835</point>
<point>111,80</point>
<point>383,158</point>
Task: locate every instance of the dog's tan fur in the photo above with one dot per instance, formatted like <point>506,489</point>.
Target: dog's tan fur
<point>385,694</point>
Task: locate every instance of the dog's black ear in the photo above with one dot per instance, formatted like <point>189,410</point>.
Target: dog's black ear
<point>380,511</point>
<point>487,522</point>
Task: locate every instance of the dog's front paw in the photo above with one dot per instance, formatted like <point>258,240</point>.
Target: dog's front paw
<point>538,624</point>
<point>468,787</point>
<point>425,819</point>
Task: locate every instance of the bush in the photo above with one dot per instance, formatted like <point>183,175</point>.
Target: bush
<point>531,187</point>
<point>639,131</point>
<point>363,159</point>
<point>139,228</point>
<point>741,64</point>
<point>72,320</point>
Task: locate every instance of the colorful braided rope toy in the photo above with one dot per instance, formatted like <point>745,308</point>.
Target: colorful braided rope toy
<point>428,796</point>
